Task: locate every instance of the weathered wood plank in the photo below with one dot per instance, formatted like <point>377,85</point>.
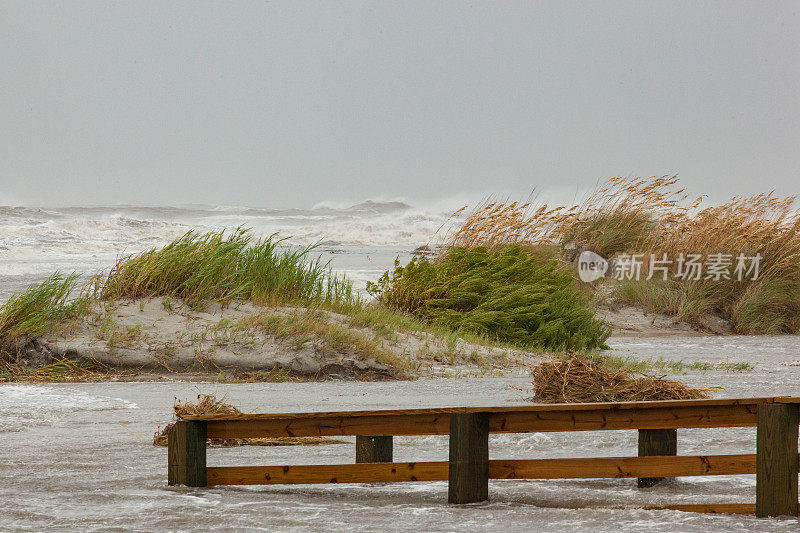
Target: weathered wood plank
<point>777,460</point>
<point>374,449</point>
<point>369,426</point>
<point>651,418</point>
<point>587,468</point>
<point>505,422</point>
<point>186,454</point>
<point>468,479</point>
<point>656,442</point>
<point>623,467</point>
<point>604,406</point>
<point>312,474</point>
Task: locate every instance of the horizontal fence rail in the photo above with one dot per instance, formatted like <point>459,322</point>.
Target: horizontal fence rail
<point>583,468</point>
<point>510,422</point>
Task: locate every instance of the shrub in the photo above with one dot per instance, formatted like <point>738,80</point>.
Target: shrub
<point>505,294</point>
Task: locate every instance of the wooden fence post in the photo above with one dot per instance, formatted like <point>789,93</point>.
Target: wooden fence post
<point>776,460</point>
<point>469,458</point>
<point>373,449</point>
<point>656,442</point>
<point>187,453</point>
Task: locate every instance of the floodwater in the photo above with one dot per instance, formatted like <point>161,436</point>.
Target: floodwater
<point>79,457</point>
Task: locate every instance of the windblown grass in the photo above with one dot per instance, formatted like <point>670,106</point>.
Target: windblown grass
<point>654,217</point>
<point>219,267</point>
<point>505,295</point>
<point>619,215</point>
<point>196,269</point>
<point>762,224</point>
<point>38,310</point>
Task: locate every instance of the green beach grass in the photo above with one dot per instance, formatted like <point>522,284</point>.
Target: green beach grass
<point>506,295</point>
<point>219,267</point>
<point>503,298</point>
<point>39,309</point>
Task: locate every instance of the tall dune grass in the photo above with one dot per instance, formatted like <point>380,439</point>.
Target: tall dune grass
<point>39,309</point>
<point>620,215</point>
<point>220,267</point>
<point>655,216</point>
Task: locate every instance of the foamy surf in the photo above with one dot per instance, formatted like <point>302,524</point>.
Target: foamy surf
<point>25,406</point>
<point>362,240</point>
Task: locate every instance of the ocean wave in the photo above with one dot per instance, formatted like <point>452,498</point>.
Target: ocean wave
<point>24,406</point>
<point>107,229</point>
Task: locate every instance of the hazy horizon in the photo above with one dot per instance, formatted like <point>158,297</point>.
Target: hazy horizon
<point>281,105</point>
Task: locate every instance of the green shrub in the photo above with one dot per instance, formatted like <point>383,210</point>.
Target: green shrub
<point>506,294</point>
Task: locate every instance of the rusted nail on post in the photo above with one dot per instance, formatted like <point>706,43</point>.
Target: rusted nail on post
<point>187,453</point>
<point>656,442</point>
<point>776,460</point>
<point>469,458</point>
<point>374,449</point>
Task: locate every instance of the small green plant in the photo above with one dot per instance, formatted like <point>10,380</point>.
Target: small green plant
<point>107,327</point>
<point>124,337</point>
<point>169,349</point>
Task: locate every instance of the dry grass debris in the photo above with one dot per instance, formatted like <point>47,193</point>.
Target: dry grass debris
<point>60,371</point>
<point>577,379</point>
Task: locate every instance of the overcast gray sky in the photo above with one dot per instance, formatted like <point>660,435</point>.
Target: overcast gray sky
<point>292,103</point>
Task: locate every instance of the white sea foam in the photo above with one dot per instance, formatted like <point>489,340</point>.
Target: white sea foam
<point>23,406</point>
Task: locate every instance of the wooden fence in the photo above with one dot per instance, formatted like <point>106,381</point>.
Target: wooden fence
<point>468,470</point>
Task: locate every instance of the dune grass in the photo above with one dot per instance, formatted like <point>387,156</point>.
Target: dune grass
<point>612,361</point>
<point>505,295</point>
<point>196,269</point>
<point>38,310</point>
<point>654,217</point>
<point>220,267</point>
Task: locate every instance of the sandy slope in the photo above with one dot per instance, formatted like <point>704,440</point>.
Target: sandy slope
<point>159,337</point>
